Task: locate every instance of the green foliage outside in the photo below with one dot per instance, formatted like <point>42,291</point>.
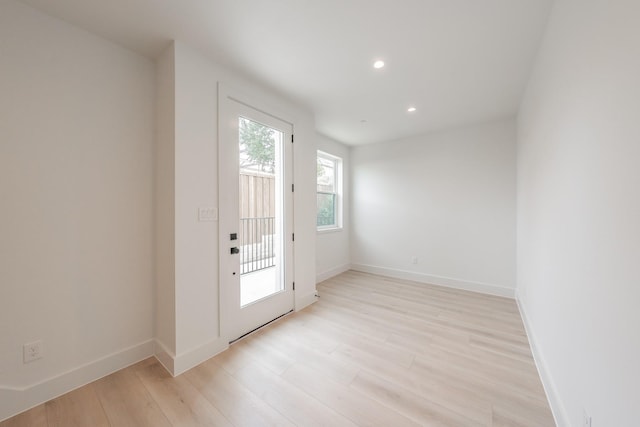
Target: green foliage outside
<point>326,209</point>
<point>326,200</point>
<point>257,146</point>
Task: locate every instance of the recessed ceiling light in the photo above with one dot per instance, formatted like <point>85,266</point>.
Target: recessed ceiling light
<point>378,64</point>
<point>411,109</point>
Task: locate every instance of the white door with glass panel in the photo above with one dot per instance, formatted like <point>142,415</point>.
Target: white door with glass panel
<point>256,202</point>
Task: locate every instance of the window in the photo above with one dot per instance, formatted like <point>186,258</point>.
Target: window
<point>329,191</point>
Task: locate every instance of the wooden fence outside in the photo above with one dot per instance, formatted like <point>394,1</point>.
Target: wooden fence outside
<point>257,201</point>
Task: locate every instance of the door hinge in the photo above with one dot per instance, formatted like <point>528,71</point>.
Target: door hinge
<point>292,138</point>
<point>293,237</point>
<point>294,286</point>
<point>293,188</point>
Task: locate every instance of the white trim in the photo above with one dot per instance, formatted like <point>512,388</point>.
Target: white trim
<point>557,408</point>
<point>321,277</point>
<point>14,400</point>
<point>187,360</point>
<point>484,288</point>
<point>306,300</point>
<point>181,363</point>
<point>329,229</point>
<point>164,356</point>
<point>257,102</point>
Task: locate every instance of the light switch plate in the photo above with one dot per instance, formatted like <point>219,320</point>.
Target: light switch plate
<point>207,213</point>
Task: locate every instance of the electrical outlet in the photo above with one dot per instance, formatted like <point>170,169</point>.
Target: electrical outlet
<point>414,260</point>
<point>586,419</point>
<point>32,351</point>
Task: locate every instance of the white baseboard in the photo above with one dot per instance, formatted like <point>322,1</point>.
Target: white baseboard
<point>16,400</point>
<point>557,408</point>
<point>181,363</point>
<point>165,356</point>
<point>305,300</point>
<point>189,359</point>
<point>321,277</point>
<point>484,288</point>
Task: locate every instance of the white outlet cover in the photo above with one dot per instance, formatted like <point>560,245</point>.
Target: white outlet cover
<point>207,213</point>
<point>32,351</point>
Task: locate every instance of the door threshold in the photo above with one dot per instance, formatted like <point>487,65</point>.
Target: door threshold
<point>260,327</point>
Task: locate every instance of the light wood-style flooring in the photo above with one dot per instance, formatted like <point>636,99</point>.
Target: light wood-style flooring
<point>372,351</point>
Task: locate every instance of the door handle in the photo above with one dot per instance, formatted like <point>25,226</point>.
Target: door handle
<point>235,251</point>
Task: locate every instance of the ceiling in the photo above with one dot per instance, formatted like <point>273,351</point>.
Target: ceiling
<point>458,62</point>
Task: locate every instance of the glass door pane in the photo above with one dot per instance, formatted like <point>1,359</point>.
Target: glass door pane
<point>261,208</point>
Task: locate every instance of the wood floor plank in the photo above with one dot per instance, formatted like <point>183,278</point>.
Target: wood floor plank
<point>360,409</point>
<point>296,405</point>
<point>318,317</point>
<point>180,401</point>
<point>235,401</point>
<point>435,321</point>
<point>520,415</point>
<point>34,417</point>
<point>127,402</point>
<point>343,335</point>
<point>465,350</point>
<point>78,408</point>
<point>271,356</point>
<point>444,298</point>
<point>311,356</point>
<point>444,393</point>
<point>479,385</point>
<point>235,358</point>
<point>421,410</point>
<point>378,313</point>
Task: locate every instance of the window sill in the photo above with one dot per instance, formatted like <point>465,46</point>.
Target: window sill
<point>328,230</point>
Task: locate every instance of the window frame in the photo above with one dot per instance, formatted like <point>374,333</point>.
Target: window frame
<point>338,192</point>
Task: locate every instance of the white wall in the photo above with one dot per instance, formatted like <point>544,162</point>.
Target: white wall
<point>333,254</point>
<point>446,198</point>
<point>195,285</point>
<point>579,211</point>
<point>76,150</point>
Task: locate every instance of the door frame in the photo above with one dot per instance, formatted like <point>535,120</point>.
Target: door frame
<point>225,110</point>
